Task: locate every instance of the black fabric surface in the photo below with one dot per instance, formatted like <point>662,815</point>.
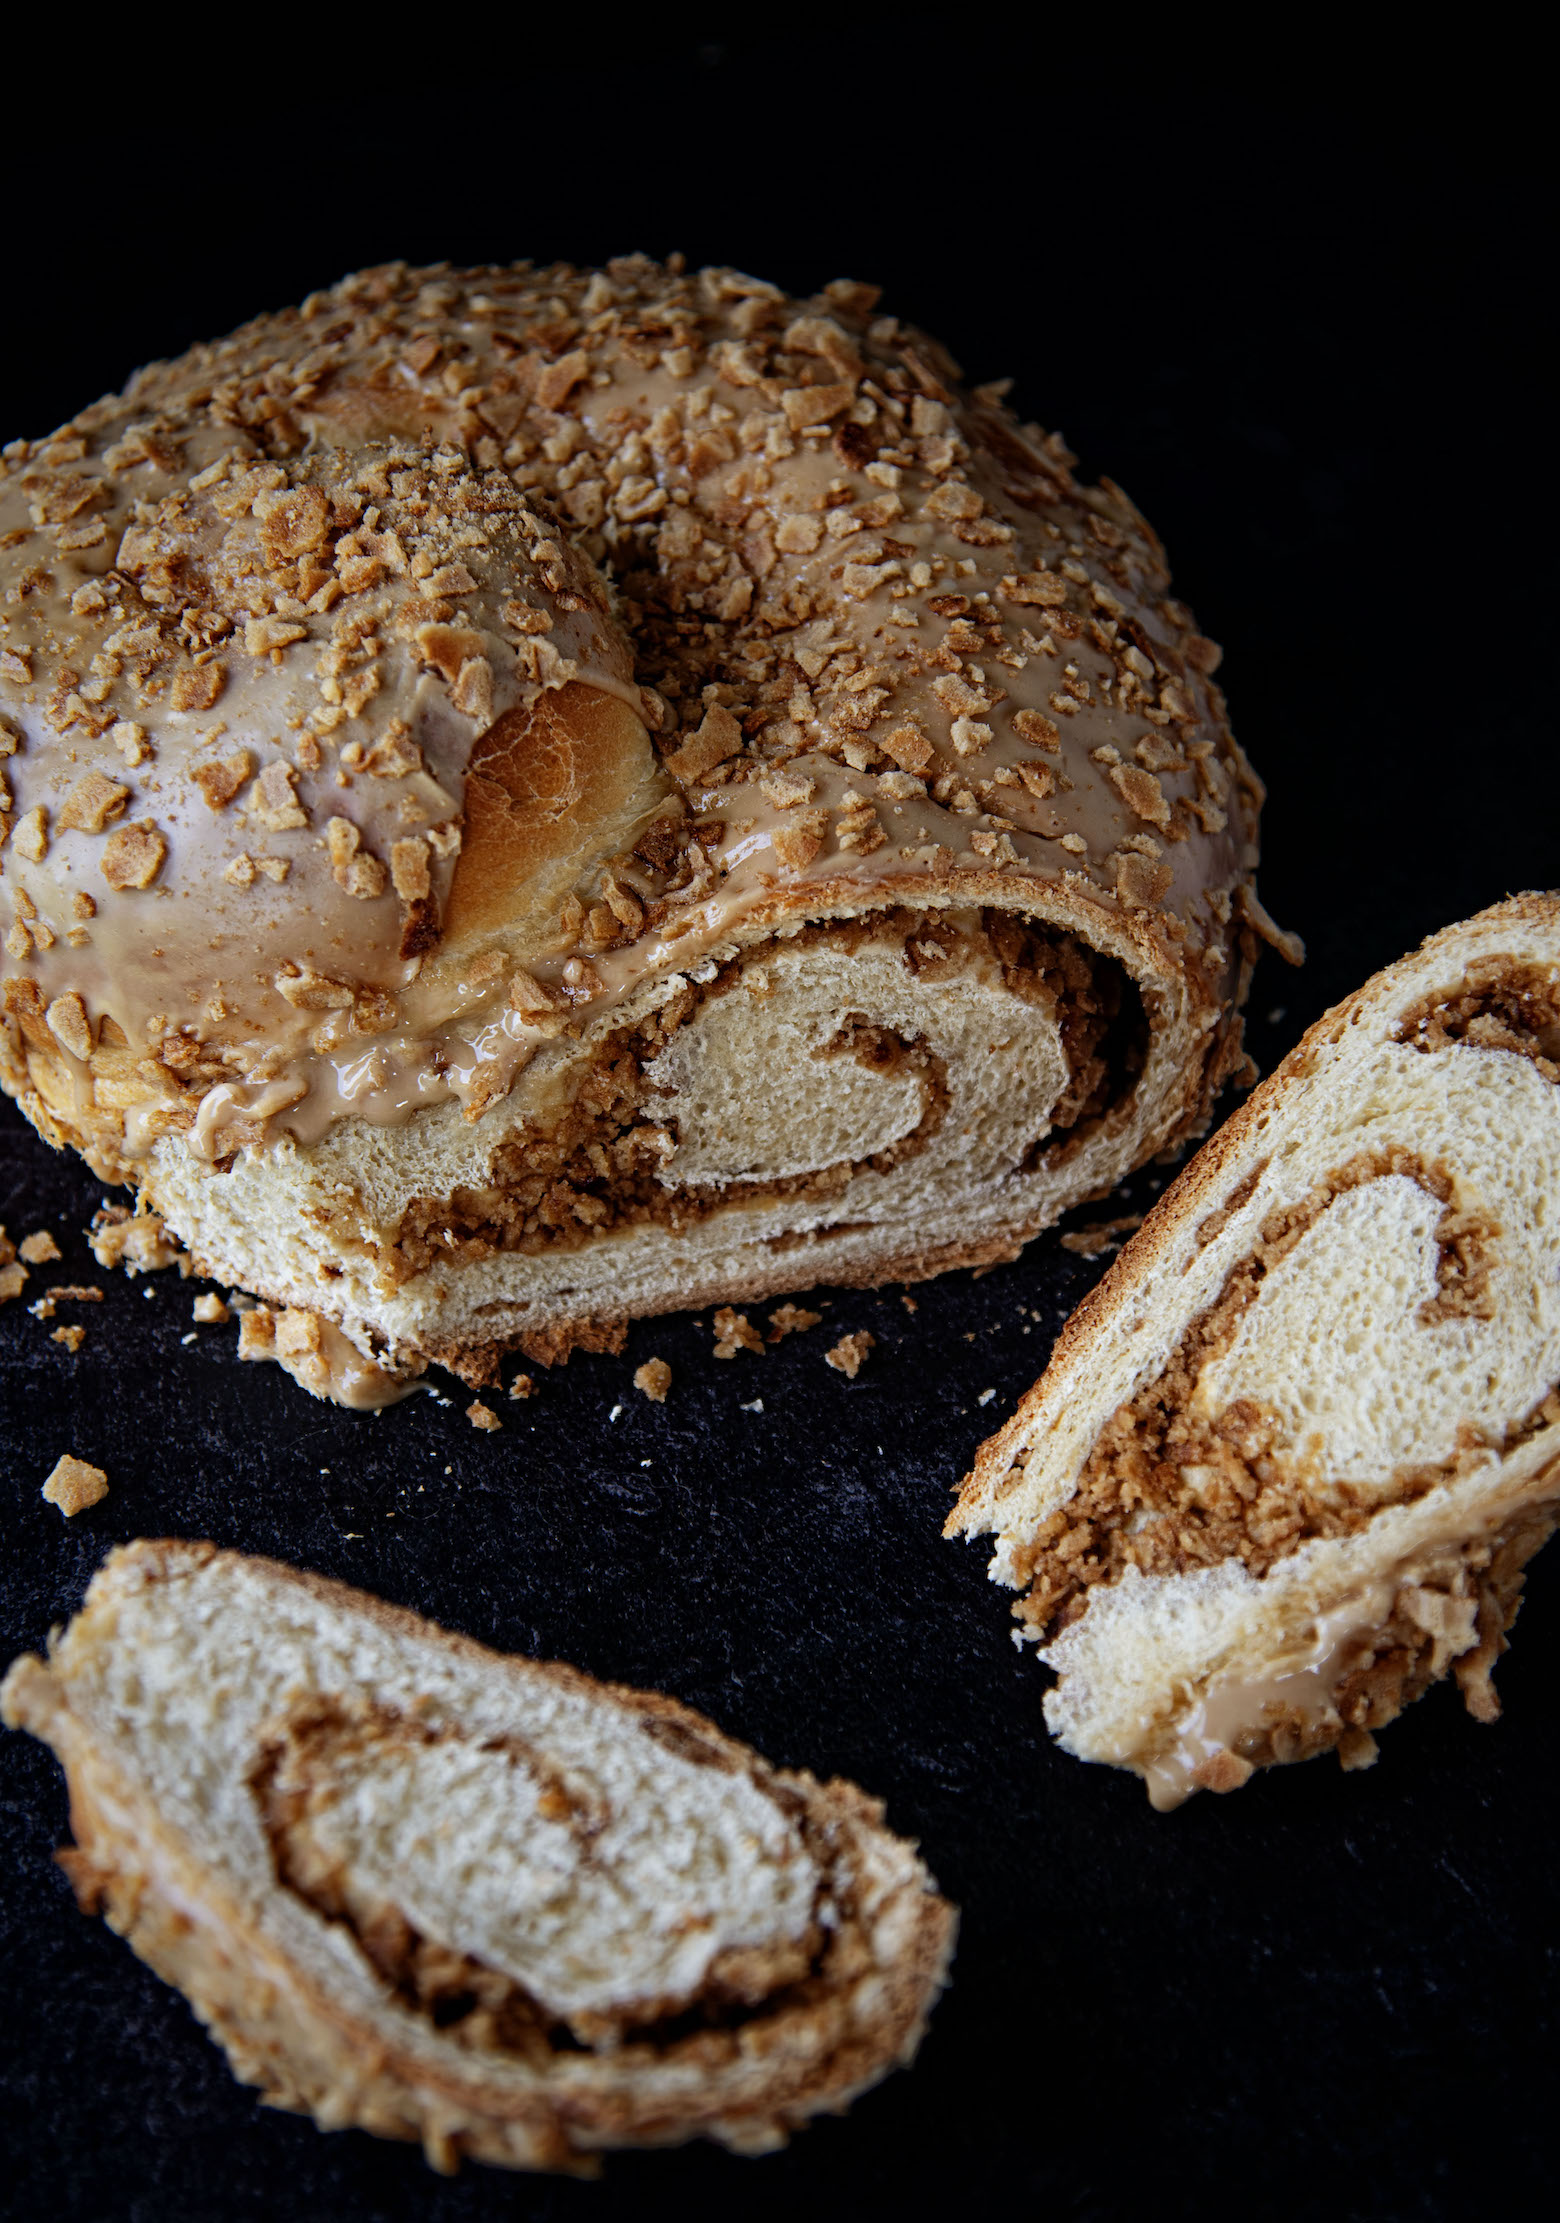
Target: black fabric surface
<point>1298,314</point>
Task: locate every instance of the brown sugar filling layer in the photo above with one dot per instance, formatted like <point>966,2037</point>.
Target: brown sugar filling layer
<point>1500,1006</point>
<point>1166,1492</point>
<point>597,1168</point>
<point>1392,1664</point>
<point>480,2007</point>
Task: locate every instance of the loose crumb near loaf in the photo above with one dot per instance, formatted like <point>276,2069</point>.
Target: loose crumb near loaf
<point>626,1929</point>
<point>849,1354</point>
<point>1291,1456</point>
<point>654,1379</point>
<point>74,1485</point>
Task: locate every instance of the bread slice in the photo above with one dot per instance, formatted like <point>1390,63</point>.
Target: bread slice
<point>1290,1457</point>
<point>421,1888</point>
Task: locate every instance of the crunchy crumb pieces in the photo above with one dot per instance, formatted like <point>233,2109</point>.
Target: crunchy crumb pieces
<point>138,1241</point>
<point>735,1332</point>
<point>1227,1771</point>
<point>847,1355</point>
<point>791,1319</point>
<point>210,1310</point>
<point>39,1248</point>
<point>523,1385</point>
<point>910,1303</point>
<point>483,1416</point>
<point>74,1485</point>
<point>65,1292</point>
<point>654,1378</point>
<point>72,1338</point>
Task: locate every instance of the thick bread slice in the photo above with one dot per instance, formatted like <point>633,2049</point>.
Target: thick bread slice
<point>421,1888</point>
<point>1290,1457</point>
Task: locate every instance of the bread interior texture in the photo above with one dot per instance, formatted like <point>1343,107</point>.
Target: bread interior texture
<point>484,1894</point>
<point>855,1099</point>
<point>1330,1436</point>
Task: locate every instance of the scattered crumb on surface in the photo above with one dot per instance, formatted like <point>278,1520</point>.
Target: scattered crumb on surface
<point>909,1302</point>
<point>209,1309</point>
<point>848,1353</point>
<point>523,1385</point>
<point>791,1319</point>
<point>985,1397</point>
<point>39,1248</point>
<point>13,1278</point>
<point>735,1332</point>
<point>74,1485</point>
<point>483,1416</point>
<point>1101,1236</point>
<point>138,1241</point>
<point>655,1379</point>
<point>72,1338</point>
<point>256,1333</point>
<point>65,1292</point>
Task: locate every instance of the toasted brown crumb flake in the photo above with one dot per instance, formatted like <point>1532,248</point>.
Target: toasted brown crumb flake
<point>210,1310</point>
<point>717,737</point>
<point>74,1485</point>
<point>67,1021</point>
<point>791,1319</point>
<point>198,688</point>
<point>133,856</point>
<point>734,1332</point>
<point>654,1378</point>
<point>140,1241</point>
<point>72,1338</point>
<point>92,802</point>
<point>483,1417</point>
<point>847,1355</point>
<point>523,1385</point>
<point>1223,1771</point>
<point>409,873</point>
<point>39,1249</point>
<point>220,780</point>
<point>13,1277</point>
<point>795,845</point>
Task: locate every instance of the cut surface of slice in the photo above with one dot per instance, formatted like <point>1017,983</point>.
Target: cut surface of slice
<point>1290,1457</point>
<point>436,1892</point>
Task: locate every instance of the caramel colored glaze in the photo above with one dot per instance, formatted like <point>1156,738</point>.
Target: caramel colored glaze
<point>300,612</point>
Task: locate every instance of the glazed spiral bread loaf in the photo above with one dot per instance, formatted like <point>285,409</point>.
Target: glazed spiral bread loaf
<point>538,796</point>
<point>437,1893</point>
<point>1291,1456</point>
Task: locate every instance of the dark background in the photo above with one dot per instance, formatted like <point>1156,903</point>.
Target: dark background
<point>1295,301</point>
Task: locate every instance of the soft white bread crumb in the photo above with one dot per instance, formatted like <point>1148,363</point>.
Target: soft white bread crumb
<point>1289,1458</point>
<point>413,1885</point>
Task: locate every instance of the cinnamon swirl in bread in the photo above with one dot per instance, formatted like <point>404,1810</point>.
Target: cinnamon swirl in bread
<point>417,1887</point>
<point>1291,1456</point>
<point>538,796</point>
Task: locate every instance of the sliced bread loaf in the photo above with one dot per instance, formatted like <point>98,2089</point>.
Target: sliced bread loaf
<point>1290,1457</point>
<point>437,1893</point>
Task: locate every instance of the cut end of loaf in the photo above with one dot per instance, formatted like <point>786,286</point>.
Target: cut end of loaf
<point>1289,1460</point>
<point>877,1095</point>
<point>436,1893</point>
